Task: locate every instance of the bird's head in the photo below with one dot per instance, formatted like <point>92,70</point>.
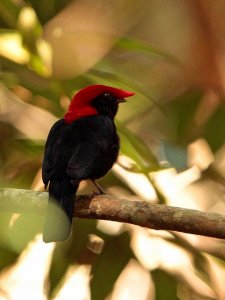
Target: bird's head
<point>95,99</point>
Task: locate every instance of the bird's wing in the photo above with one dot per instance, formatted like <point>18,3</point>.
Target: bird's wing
<point>49,156</point>
<point>95,153</point>
<point>86,157</point>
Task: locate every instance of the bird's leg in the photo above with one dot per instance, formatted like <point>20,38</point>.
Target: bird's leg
<point>101,191</point>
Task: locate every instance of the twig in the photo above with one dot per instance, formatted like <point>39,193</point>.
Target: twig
<point>142,213</point>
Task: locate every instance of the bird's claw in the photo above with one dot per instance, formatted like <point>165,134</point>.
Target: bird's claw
<point>100,190</point>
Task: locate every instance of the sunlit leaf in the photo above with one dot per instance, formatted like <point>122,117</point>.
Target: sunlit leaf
<point>17,282</point>
<point>111,264</point>
<point>133,283</point>
<point>29,27</point>
<point>11,47</point>
<point>76,282</point>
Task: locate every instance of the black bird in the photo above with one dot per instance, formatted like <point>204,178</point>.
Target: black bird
<point>82,145</point>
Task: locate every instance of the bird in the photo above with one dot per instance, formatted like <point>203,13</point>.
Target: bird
<point>83,145</point>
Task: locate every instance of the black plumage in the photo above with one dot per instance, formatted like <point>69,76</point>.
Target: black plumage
<point>85,149</point>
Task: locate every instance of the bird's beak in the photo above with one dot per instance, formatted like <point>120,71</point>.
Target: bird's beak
<point>121,100</point>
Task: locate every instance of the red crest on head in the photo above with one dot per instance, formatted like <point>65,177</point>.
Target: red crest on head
<point>80,104</point>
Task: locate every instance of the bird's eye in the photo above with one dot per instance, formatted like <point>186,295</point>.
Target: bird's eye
<point>106,95</point>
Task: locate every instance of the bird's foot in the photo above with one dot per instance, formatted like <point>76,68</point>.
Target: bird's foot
<point>94,194</point>
<point>100,190</point>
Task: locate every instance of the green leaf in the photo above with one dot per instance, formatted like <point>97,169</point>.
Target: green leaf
<point>165,285</point>
<point>133,147</point>
<point>11,46</point>
<point>9,11</point>
<point>132,44</point>
<point>214,129</point>
<point>181,112</point>
<point>24,76</point>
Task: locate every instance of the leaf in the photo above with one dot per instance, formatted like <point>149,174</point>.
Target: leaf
<point>165,285</point>
<point>181,112</point>
<point>14,73</point>
<point>9,11</point>
<point>133,44</point>
<point>11,46</point>
<point>133,147</point>
<point>214,129</point>
<point>109,266</point>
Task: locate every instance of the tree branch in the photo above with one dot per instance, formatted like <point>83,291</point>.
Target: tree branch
<point>142,213</point>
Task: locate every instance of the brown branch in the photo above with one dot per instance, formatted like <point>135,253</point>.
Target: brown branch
<point>142,213</point>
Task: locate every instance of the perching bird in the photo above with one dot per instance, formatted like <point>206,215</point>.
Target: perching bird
<point>82,145</point>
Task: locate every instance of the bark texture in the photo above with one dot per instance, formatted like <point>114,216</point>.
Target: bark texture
<point>141,213</point>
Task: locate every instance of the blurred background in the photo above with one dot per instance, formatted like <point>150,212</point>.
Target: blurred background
<point>172,54</point>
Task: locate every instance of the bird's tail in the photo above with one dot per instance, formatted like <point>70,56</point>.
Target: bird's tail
<point>59,216</point>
